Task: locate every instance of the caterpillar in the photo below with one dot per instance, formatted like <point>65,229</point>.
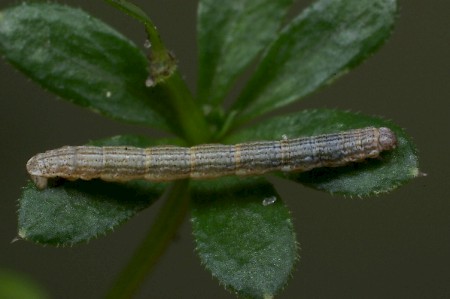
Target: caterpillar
<point>167,163</point>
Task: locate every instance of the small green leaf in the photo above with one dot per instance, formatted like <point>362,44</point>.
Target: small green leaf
<point>80,59</point>
<point>230,35</point>
<point>244,238</point>
<point>16,286</point>
<point>78,211</point>
<point>326,40</point>
<point>373,176</point>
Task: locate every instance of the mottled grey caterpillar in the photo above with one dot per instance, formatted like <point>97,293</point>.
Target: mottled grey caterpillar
<point>167,163</point>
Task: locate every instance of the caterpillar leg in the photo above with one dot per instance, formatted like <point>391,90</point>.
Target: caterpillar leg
<point>40,181</point>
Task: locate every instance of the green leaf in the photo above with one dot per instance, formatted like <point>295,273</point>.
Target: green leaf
<point>247,243</point>
<point>16,286</point>
<point>230,35</point>
<point>326,40</point>
<point>373,176</point>
<point>78,211</point>
<point>80,59</point>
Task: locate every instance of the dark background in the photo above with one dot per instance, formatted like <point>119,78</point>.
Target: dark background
<point>390,246</point>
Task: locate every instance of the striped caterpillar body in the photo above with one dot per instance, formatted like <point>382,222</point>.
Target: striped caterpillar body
<point>166,163</point>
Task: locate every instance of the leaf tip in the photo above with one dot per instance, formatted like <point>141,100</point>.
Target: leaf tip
<point>421,174</point>
<point>15,239</point>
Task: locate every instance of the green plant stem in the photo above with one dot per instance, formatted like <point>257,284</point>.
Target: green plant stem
<point>157,240</point>
<point>163,71</point>
<point>193,124</point>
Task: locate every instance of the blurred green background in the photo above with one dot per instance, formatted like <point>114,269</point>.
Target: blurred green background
<point>390,246</point>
